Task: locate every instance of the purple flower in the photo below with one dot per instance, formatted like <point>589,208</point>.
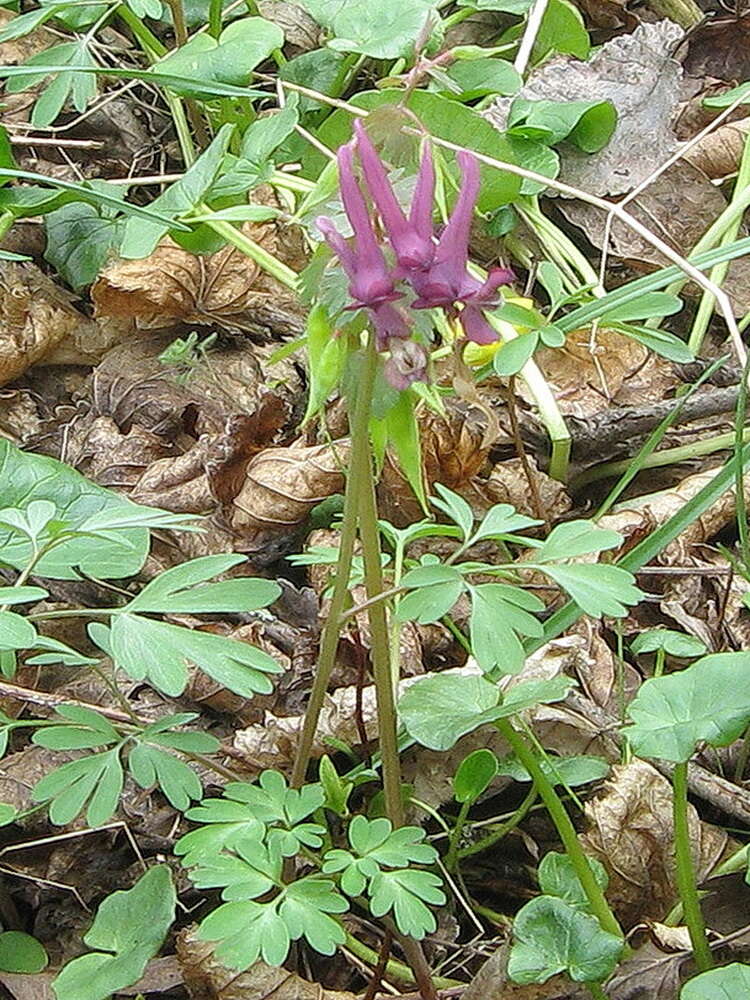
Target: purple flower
<point>370,281</point>
<point>412,238</point>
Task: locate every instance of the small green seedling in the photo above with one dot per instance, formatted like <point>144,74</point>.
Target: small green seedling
<point>471,780</point>
<point>663,641</point>
<point>21,953</point>
<point>128,930</point>
<point>707,702</point>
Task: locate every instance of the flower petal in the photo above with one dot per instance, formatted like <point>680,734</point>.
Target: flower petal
<point>476,327</point>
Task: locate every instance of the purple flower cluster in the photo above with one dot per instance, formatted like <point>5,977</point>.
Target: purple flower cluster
<point>434,268</point>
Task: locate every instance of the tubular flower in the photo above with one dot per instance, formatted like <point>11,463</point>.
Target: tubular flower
<point>436,270</point>
<point>412,238</point>
<point>370,281</point>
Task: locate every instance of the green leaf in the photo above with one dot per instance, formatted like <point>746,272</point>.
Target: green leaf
<point>402,433</point>
<point>387,31</point>
<point>21,953</point>
<point>474,775</point>
<point>674,643</point>
<point>405,892</point>
<point>480,77</point>
<point>587,124</point>
<point>252,871</point>
<point>159,652</point>
<point>337,790</point>
<point>140,238</point>
<point>437,711</point>
<point>513,354</point>
<point>552,937</point>
<point>15,631</point>
<point>557,877</point>
<point>707,701</point>
<point>661,342</point>
<point>457,509</point>
<point>247,931</point>
<point>501,521</point>
<point>652,304</point>
<point>231,59</point>
<point>128,930</point>
<point>729,97</point>
<point>184,589</point>
<point>80,240</point>
<point>506,6</point>
<point>304,909</point>
<point>254,164</point>
<point>27,478</point>
<point>151,766</point>
<point>576,538</point>
<point>8,814</point>
<point>562,30</point>
<point>22,595</point>
<point>96,780</point>
<point>597,588</point>
<point>318,70</point>
<point>566,771</point>
<point>23,24</point>
<point>326,355</point>
<point>51,101</point>
<point>499,614</point>
<point>726,983</point>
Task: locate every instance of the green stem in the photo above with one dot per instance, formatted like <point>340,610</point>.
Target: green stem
<point>272,265</point>
<point>452,856</point>
<point>215,12</point>
<point>596,991</point>
<point>349,65</point>
<point>659,664</point>
<point>360,449</point>
<point>6,221</point>
<point>566,831</point>
<point>151,45</point>
<point>369,534</point>
<point>560,248</point>
<point>668,456</point>
<point>719,271</point>
<point>504,829</point>
<point>394,970</point>
<point>739,478</point>
<point>686,873</point>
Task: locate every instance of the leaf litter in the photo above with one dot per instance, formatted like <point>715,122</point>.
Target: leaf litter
<point>172,380</point>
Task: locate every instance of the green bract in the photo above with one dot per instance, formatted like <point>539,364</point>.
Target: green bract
<point>708,701</point>
<point>128,930</point>
<point>552,937</point>
<point>728,983</point>
<point>439,710</point>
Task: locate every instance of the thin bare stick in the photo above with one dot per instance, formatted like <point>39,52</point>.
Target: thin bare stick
<point>533,23</point>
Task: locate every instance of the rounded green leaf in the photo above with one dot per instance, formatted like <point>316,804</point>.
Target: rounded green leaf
<point>672,642</point>
<point>708,701</point>
<point>728,983</point>
<point>474,775</point>
<point>552,937</point>
<point>21,953</point>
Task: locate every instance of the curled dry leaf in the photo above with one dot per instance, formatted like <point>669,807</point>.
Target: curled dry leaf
<point>718,153</point>
<point>300,29</point>
<point>631,833</point>
<point>35,315</point>
<point>226,288</point>
<point>207,979</point>
<point>638,75</point>
<point>282,485</point>
<point>507,483</point>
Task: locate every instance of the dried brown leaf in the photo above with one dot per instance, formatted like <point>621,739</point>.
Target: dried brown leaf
<point>720,48</point>
<point>35,315</point>
<point>585,382</point>
<point>631,832</point>
<point>718,153</point>
<point>282,485</point>
<point>648,974</point>
<point>300,30</point>
<point>173,285</point>
<point>206,979</point>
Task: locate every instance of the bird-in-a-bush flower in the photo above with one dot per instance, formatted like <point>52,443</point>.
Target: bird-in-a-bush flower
<point>431,269</point>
